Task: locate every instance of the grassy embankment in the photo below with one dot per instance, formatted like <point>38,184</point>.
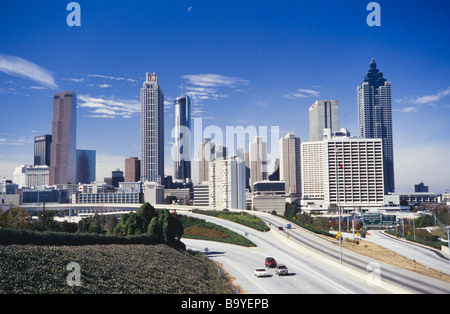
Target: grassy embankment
<point>195,228</point>
<point>108,269</point>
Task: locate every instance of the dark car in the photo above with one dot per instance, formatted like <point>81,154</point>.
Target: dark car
<point>270,262</point>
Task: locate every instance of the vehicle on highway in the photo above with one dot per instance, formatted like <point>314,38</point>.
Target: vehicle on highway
<point>261,272</point>
<point>281,269</point>
<point>270,262</point>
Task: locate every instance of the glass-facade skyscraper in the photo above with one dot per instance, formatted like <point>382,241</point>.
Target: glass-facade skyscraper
<point>182,133</point>
<point>375,118</point>
<point>152,130</point>
<point>86,165</point>
<point>42,145</point>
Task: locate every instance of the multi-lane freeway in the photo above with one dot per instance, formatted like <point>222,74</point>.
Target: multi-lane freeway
<point>312,261</point>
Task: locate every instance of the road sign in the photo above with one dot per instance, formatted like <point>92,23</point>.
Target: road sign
<point>388,219</point>
<point>372,219</point>
<point>378,219</point>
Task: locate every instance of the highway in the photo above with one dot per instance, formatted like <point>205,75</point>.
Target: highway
<point>313,264</point>
<point>307,275</point>
<point>426,256</point>
<point>411,281</point>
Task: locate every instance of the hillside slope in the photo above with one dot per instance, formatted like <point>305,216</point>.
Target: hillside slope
<point>108,269</point>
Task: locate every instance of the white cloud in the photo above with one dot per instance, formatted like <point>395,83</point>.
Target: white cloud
<point>205,87</point>
<point>109,108</point>
<point>214,80</point>
<point>76,80</point>
<point>428,99</point>
<point>17,66</point>
<point>407,109</point>
<point>104,85</point>
<point>112,78</point>
<point>302,93</point>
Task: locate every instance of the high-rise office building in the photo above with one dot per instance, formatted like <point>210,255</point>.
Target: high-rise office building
<point>27,176</point>
<point>182,133</point>
<point>116,177</point>
<point>227,184</point>
<point>290,164</point>
<point>86,160</point>
<point>152,130</point>
<point>221,152</point>
<point>353,171</point>
<point>420,188</point>
<point>42,148</point>
<point>375,118</point>
<point>323,114</point>
<point>206,154</point>
<point>132,169</point>
<point>312,170</point>
<point>63,165</point>
<point>258,161</point>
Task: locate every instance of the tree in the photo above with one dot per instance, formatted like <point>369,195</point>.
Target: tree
<point>291,210</point>
<point>166,227</point>
<point>169,199</point>
<point>46,220</point>
<point>16,218</point>
<point>147,211</point>
<point>161,225</point>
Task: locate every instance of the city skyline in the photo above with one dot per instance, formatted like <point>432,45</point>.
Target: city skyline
<point>248,65</point>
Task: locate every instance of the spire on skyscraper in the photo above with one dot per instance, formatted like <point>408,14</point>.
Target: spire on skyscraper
<point>374,77</point>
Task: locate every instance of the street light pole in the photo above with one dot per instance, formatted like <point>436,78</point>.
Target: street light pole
<point>339,206</point>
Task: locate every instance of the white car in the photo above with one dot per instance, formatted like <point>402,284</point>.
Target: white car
<point>261,272</point>
<point>281,270</point>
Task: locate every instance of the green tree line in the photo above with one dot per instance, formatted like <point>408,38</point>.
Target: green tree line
<point>161,226</point>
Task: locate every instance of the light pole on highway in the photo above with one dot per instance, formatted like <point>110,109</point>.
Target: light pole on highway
<point>339,166</point>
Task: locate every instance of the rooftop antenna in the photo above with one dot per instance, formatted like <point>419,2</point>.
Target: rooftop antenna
<point>181,89</point>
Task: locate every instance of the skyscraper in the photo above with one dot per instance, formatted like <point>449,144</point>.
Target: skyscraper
<point>206,154</point>
<point>290,167</point>
<point>258,161</point>
<point>323,114</point>
<point>42,148</point>
<point>375,118</point>
<point>86,165</point>
<point>152,130</point>
<point>182,133</point>
<point>63,167</point>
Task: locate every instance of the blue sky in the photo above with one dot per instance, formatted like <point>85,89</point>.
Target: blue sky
<point>245,63</point>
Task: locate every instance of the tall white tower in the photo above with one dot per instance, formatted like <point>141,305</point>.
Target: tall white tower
<point>152,130</point>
